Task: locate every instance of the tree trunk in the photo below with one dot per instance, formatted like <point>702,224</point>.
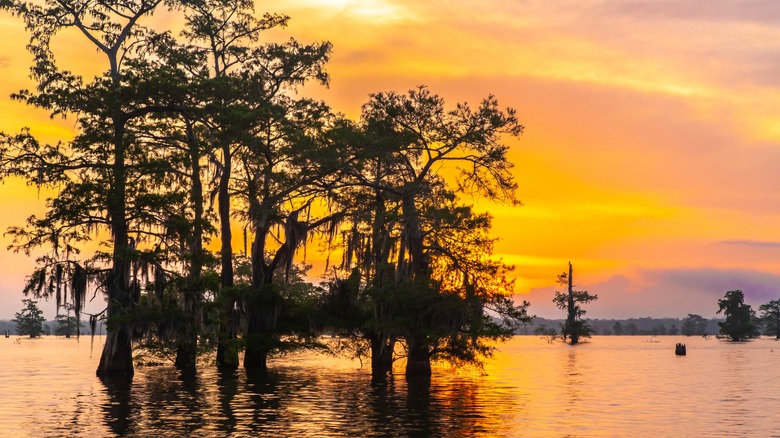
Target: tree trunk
<point>777,328</point>
<point>117,357</point>
<point>574,332</point>
<point>186,355</point>
<point>256,360</point>
<point>418,360</point>
<point>382,347</point>
<point>259,331</point>
<point>262,310</point>
<point>382,342</point>
<point>186,350</point>
<point>413,239</point>
<point>227,353</point>
<point>262,313</point>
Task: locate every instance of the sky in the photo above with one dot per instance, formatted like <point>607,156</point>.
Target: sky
<point>651,145</point>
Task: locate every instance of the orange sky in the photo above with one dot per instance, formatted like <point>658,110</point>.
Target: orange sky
<point>652,133</point>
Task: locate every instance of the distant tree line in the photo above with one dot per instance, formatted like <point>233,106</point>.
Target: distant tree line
<point>647,326</point>
<point>739,323</point>
<point>183,140</point>
<point>31,322</point>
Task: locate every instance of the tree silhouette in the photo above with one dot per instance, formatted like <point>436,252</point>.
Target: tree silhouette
<point>770,316</point>
<point>173,125</point>
<point>30,320</point>
<point>225,34</point>
<point>423,256</point>
<point>741,321</point>
<point>574,327</point>
<point>694,325</point>
<point>67,325</point>
<point>94,169</point>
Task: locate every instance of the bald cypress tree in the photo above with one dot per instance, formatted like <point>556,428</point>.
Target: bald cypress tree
<point>741,323</point>
<point>30,320</point>
<point>424,257</point>
<point>96,167</point>
<point>574,327</point>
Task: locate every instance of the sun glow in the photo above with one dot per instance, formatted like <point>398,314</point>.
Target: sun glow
<point>376,11</point>
<point>651,134</point>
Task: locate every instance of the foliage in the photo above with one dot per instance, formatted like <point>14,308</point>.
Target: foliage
<point>174,124</point>
<point>549,334</point>
<point>694,325</point>
<point>67,325</point>
<point>741,323</point>
<point>574,327</point>
<point>30,320</point>
<point>425,258</point>
<point>770,317</point>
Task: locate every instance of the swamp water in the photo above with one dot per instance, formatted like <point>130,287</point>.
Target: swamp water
<point>610,386</point>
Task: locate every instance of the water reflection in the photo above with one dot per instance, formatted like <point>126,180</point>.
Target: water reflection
<point>296,401</point>
<point>573,380</point>
<point>611,387</point>
<point>227,388</point>
<point>116,410</point>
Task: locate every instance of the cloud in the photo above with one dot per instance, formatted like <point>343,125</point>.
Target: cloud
<point>758,286</point>
<point>665,293</point>
<point>753,11</point>
<point>752,243</point>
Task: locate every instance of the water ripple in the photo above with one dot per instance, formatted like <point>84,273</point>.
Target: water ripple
<point>612,386</point>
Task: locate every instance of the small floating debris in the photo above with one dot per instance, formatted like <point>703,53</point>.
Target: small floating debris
<point>679,349</point>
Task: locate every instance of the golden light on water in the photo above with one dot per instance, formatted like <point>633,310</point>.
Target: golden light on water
<point>611,386</point>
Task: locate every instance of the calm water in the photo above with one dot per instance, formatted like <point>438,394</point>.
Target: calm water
<point>612,386</point>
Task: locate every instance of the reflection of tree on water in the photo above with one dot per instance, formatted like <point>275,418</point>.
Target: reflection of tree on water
<point>191,394</point>
<point>380,402</point>
<point>117,409</point>
<point>737,387</point>
<point>227,385</point>
<point>572,418</point>
<point>163,405</point>
<point>302,401</point>
<point>418,406</point>
<point>173,400</point>
<point>164,399</point>
<point>573,381</point>
<point>265,395</point>
<point>439,406</point>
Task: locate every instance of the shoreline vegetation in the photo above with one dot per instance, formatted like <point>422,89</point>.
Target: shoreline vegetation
<point>645,326</point>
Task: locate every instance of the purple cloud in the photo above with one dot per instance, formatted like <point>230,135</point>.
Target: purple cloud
<point>752,243</point>
<point>665,293</point>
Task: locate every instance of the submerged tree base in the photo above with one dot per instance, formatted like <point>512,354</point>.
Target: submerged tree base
<point>116,361</point>
<point>227,355</point>
<point>256,360</point>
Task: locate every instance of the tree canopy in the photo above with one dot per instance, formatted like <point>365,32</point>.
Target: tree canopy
<point>694,325</point>
<point>770,317</point>
<point>574,327</point>
<point>181,139</point>
<point>741,323</point>
<point>30,320</point>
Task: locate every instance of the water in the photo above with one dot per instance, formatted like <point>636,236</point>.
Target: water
<point>611,386</point>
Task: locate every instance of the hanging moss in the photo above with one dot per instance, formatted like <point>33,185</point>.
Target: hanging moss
<point>78,293</point>
<point>58,279</point>
<point>92,326</point>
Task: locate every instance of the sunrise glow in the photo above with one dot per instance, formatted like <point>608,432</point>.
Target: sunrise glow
<point>651,144</point>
